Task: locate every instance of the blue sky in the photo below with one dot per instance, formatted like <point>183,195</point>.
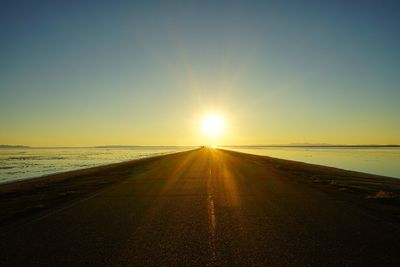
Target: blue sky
<point>126,72</point>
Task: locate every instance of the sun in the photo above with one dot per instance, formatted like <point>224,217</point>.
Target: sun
<point>213,124</point>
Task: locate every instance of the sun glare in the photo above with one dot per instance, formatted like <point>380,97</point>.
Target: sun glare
<point>213,124</point>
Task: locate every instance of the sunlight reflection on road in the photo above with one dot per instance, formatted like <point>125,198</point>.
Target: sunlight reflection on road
<point>212,221</point>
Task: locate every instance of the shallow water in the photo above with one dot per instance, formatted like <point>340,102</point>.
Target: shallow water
<point>17,164</point>
<point>382,161</point>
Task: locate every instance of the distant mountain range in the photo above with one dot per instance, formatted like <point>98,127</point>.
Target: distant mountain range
<point>16,146</point>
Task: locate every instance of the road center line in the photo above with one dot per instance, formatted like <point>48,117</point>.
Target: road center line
<point>212,222</point>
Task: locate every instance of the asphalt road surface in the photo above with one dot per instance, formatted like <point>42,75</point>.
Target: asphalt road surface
<point>208,207</point>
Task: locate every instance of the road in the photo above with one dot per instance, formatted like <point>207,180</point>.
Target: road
<point>207,207</point>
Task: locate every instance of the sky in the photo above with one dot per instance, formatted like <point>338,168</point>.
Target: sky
<point>84,73</point>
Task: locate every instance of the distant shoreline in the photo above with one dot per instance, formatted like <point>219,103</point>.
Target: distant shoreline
<point>82,147</point>
<point>319,146</point>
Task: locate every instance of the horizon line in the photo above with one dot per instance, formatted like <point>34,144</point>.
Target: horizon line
<point>250,146</point>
